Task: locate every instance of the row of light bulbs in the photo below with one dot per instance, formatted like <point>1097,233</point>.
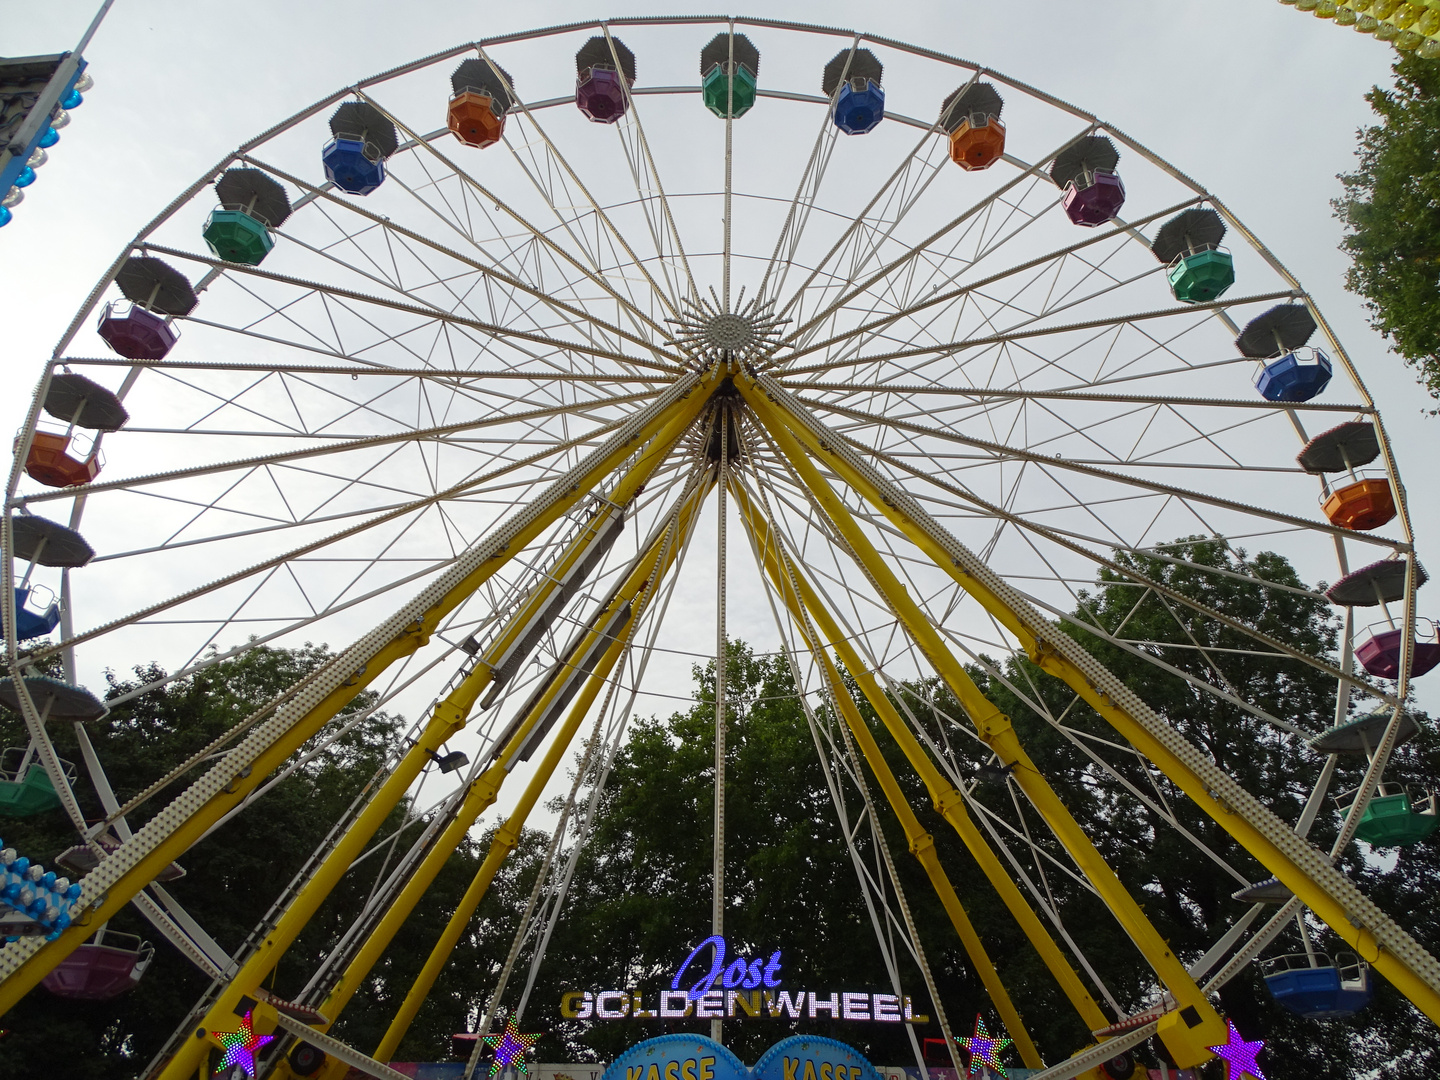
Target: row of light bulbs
<point>1408,24</point>
<point>72,100</point>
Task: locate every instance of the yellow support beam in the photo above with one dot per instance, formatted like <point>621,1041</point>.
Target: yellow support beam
<point>483,792</point>
<point>921,843</point>
<point>145,870</point>
<point>26,962</point>
<point>486,788</point>
<point>1300,867</point>
<point>1202,1026</point>
<point>637,589</point>
<point>947,799</point>
<point>448,718</point>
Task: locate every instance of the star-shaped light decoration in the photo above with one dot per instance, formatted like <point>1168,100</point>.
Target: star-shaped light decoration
<point>510,1047</point>
<point>985,1051</point>
<point>240,1045</point>
<point>1240,1055</point>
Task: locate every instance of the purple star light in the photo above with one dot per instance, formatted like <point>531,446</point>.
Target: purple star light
<point>240,1045</point>
<point>510,1047</point>
<point>1240,1055</point>
<point>985,1051</point>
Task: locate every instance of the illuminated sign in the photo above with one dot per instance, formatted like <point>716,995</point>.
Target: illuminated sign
<point>677,1057</point>
<point>738,994</point>
<point>694,1057</point>
<point>739,973</point>
<point>808,1057</point>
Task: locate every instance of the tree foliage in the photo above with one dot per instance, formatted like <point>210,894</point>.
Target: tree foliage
<point>1185,894</point>
<point>1391,210</point>
<point>232,876</point>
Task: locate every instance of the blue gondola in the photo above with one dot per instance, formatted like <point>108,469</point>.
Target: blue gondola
<point>364,138</point>
<point>860,107</point>
<point>1312,986</point>
<point>1289,371</point>
<point>35,619</point>
<point>350,168</point>
<point>1296,376</point>
<point>42,542</point>
<point>859,103</point>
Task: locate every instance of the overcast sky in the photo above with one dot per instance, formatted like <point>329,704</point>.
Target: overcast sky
<point>1256,101</point>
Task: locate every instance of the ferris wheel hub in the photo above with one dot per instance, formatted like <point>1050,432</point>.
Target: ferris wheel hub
<point>709,332</point>
<point>729,332</point>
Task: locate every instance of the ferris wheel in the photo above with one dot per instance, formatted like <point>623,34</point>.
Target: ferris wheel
<point>452,365</point>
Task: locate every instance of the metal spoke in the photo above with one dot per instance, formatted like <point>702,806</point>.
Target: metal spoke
<point>948,348</point>
<point>294,553</point>
<point>946,296</point>
<point>1000,450</point>
<point>342,445</point>
<point>913,251</point>
<point>632,117</point>
<point>985,395</point>
<point>595,207</point>
<point>539,234</point>
<point>499,332</point>
<point>488,270</point>
<point>1275,646</point>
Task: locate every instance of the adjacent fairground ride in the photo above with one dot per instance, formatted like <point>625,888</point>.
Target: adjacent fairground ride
<point>469,345</point>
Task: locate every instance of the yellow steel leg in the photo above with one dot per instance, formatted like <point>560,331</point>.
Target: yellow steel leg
<point>485,788</point>
<point>448,718</point>
<point>922,844</point>
<point>1203,1026</point>
<point>506,839</point>
<point>1304,870</point>
<point>25,963</point>
<point>638,587</point>
<point>946,798</point>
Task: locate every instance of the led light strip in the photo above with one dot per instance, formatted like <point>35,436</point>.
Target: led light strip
<point>1412,25</point>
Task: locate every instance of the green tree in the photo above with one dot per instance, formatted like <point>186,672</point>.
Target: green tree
<point>232,876</point>
<point>1391,210</point>
<point>1184,894</point>
<point>641,896</point>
